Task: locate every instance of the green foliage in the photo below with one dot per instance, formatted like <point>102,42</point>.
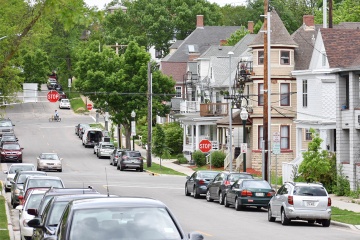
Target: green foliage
<point>317,165</point>
<point>237,36</point>
<point>159,147</point>
<point>342,184</point>
<point>199,158</point>
<point>217,159</point>
<point>174,137</point>
<point>36,66</point>
<point>182,160</point>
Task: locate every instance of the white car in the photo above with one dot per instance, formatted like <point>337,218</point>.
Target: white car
<point>32,202</point>
<point>49,161</point>
<point>64,103</point>
<point>14,168</point>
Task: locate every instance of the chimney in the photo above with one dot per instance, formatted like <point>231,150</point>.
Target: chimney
<point>251,26</point>
<point>199,21</point>
<point>308,21</point>
<point>223,42</point>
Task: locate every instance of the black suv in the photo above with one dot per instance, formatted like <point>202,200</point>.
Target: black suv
<point>131,160</point>
<point>221,183</point>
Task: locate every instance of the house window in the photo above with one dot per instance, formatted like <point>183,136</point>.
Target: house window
<point>285,94</point>
<point>261,58</point>
<point>260,136</point>
<point>285,57</point>
<point>308,135</point>
<point>261,94</point>
<point>202,130</point>
<point>284,137</point>
<point>178,91</point>
<point>304,93</point>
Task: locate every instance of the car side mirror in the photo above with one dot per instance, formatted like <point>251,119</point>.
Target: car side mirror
<point>32,211</point>
<point>187,177</point>
<point>19,207</point>
<point>195,236</point>
<point>12,182</point>
<point>34,223</point>
<point>6,172</point>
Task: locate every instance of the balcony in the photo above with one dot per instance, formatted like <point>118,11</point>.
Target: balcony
<point>214,109</point>
<point>189,106</point>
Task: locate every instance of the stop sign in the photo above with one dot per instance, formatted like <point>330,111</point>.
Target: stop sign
<point>53,96</point>
<point>205,145</point>
<point>89,106</point>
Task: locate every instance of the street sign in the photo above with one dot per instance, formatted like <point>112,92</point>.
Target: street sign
<point>243,147</point>
<point>276,143</point>
<point>89,106</point>
<point>53,96</point>
<point>276,137</point>
<point>205,145</point>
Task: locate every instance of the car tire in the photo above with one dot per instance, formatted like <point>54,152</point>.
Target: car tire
<point>270,217</point>
<point>238,206</point>
<point>117,167</point>
<point>208,196</point>
<point>186,191</point>
<point>121,168</point>
<point>284,219</point>
<point>195,194</point>
<point>111,162</point>
<point>221,198</point>
<point>60,170</point>
<point>141,170</point>
<point>7,190</point>
<point>94,151</point>
<point>14,205</point>
<point>226,203</point>
<point>326,222</point>
<point>20,161</point>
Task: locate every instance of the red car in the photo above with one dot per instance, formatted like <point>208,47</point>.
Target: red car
<point>11,151</point>
<point>62,95</point>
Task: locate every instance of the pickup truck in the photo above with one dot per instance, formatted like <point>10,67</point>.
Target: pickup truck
<point>103,149</point>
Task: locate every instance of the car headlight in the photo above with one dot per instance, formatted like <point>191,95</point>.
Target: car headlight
<point>9,179</point>
<point>18,153</point>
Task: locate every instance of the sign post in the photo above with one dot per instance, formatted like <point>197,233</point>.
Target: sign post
<point>276,150</point>
<point>53,96</point>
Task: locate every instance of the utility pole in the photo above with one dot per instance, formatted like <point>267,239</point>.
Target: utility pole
<point>266,95</point>
<point>149,96</point>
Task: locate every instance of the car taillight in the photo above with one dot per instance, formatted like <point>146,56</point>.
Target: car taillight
<point>329,202</point>
<point>291,200</point>
<point>227,183</point>
<point>125,157</point>
<point>246,193</point>
<point>271,193</point>
<point>201,181</point>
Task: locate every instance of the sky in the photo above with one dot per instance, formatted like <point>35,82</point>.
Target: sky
<point>100,3</point>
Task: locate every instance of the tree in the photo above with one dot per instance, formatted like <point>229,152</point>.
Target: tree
<point>237,36</point>
<point>174,137</point>
<point>159,147</point>
<point>317,163</point>
<point>36,66</point>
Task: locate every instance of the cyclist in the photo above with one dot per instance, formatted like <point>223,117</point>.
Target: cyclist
<point>56,115</point>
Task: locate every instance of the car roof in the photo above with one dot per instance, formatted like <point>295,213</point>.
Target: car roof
<point>307,184</point>
<point>32,172</point>
<point>21,164</point>
<point>57,191</point>
<point>43,177</point>
<point>68,198</point>
<point>116,202</point>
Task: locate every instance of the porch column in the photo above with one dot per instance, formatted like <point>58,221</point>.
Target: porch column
<point>197,129</point>
<point>192,138</point>
<point>298,141</point>
<point>323,136</point>
<point>184,135</point>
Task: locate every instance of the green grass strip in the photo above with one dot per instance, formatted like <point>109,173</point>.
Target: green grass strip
<point>155,168</point>
<point>345,216</point>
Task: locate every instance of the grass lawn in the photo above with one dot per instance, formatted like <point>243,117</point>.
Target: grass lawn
<point>155,168</point>
<point>4,232</point>
<point>78,105</point>
<point>345,216</point>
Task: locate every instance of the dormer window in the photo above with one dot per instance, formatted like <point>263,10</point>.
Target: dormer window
<point>285,58</point>
<point>261,58</point>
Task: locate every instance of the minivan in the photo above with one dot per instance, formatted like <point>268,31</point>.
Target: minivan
<point>92,136</point>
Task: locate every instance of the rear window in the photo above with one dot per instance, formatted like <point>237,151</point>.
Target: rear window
<point>134,154</point>
<point>15,169</point>
<point>208,175</point>
<point>235,177</point>
<point>256,184</point>
<point>108,146</point>
<point>309,191</point>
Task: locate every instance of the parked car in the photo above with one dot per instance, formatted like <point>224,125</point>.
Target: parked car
<point>92,136</point>
<point>82,128</point>
<point>131,160</point>
<point>33,201</point>
<point>103,149</point>
<point>13,169</point>
<point>197,183</point>
<point>18,183</point>
<point>116,155</point>
<point>249,192</point>
<point>8,134</point>
<point>8,139</point>
<point>52,192</point>
<point>41,181</point>
<point>106,218</point>
<point>49,161</point>
<point>62,95</point>
<point>64,103</point>
<point>6,126</point>
<point>11,151</point>
<point>51,215</point>
<point>301,201</point>
<point>51,85</point>
<point>221,183</point>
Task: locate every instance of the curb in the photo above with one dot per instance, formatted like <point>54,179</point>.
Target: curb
<point>344,225</point>
<point>8,216</point>
<point>152,173</point>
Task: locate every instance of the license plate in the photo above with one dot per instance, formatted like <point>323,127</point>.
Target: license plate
<point>310,204</point>
<point>259,194</point>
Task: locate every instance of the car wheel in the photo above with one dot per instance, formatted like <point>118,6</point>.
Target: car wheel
<point>97,155</point>
<point>195,194</point>
<point>326,222</point>
<point>226,204</point>
<point>208,196</point>
<point>14,205</point>
<point>111,163</point>
<point>141,169</point>
<point>284,219</point>
<point>7,190</point>
<point>121,168</point>
<point>238,206</point>
<point>311,221</point>
<point>186,191</point>
<point>60,170</point>
<point>221,198</point>
<point>117,167</point>
<point>20,161</point>
<point>270,217</point>
<point>94,151</point>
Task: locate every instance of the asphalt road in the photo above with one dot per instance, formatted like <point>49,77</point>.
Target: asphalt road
<point>81,168</point>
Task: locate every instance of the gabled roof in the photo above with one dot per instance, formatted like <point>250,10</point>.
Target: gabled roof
<point>342,47</point>
<point>202,38</point>
<point>279,35</point>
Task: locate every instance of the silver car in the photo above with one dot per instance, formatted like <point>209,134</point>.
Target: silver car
<point>301,201</point>
<point>14,168</point>
<point>49,161</point>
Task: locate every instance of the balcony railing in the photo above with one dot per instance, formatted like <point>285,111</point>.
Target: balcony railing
<point>214,109</point>
<point>189,106</point>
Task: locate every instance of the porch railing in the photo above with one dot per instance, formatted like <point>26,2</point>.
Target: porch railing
<point>213,109</point>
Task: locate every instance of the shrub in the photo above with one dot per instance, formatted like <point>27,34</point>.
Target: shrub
<point>217,159</point>
<point>182,160</point>
<point>342,186</point>
<point>199,158</point>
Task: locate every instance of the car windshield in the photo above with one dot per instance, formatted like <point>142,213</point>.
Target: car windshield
<point>56,212</point>
<point>234,177</point>
<point>310,191</point>
<point>45,183</point>
<point>65,101</point>
<point>11,147</point>
<point>33,201</point>
<point>208,175</point>
<point>22,177</point>
<point>5,124</point>
<point>256,184</point>
<point>134,154</point>
<point>49,156</point>
<point>15,169</point>
<point>132,223</point>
